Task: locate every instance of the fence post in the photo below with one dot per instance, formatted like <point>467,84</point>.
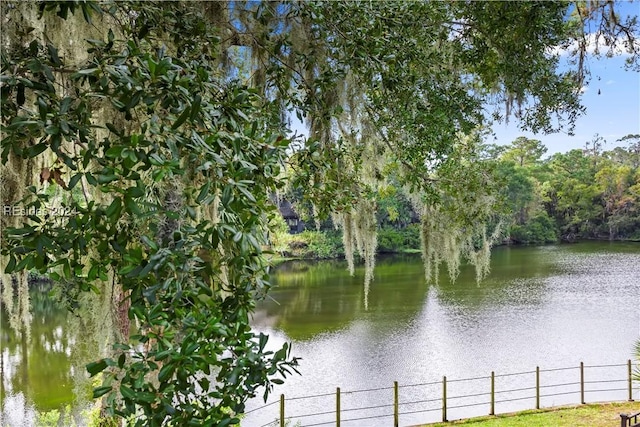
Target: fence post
<point>630,380</point>
<point>282,410</point>
<point>492,411</point>
<point>582,382</point>
<point>623,420</point>
<point>338,407</point>
<point>444,399</point>
<point>537,387</point>
<point>396,419</point>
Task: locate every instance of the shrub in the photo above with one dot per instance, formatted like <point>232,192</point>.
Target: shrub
<point>539,229</point>
<point>398,240</point>
<point>316,244</point>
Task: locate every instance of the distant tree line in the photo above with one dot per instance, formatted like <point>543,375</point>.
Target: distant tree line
<point>588,193</point>
<point>585,193</point>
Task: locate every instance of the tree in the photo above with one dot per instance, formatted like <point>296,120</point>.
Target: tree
<point>518,189</point>
<point>163,129</point>
<point>631,155</point>
<point>525,151</point>
<point>526,154</point>
<point>174,166</point>
<point>571,196</point>
<point>620,212</point>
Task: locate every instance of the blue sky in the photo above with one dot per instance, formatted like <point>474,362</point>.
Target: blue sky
<point>612,100</point>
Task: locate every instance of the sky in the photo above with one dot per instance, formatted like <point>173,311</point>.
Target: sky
<point>612,101</point>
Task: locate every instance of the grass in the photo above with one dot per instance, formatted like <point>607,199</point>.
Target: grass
<point>592,415</point>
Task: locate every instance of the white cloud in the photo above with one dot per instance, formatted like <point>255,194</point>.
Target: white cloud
<point>598,45</point>
<point>610,82</point>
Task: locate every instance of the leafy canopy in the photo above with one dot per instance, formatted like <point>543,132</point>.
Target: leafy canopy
<point>164,125</point>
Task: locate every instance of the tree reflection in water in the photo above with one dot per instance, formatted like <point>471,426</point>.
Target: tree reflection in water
<point>37,373</point>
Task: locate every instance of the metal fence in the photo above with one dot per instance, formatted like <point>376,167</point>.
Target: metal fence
<point>390,405</point>
<point>629,420</point>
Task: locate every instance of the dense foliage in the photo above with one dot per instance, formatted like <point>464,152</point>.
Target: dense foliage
<point>582,194</point>
<point>173,167</point>
<point>142,142</point>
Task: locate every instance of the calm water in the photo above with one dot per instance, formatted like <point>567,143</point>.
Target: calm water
<point>551,306</point>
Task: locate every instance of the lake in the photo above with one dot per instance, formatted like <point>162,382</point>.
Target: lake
<point>550,306</point>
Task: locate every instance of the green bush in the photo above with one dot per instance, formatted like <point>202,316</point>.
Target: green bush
<point>412,236</point>
<point>398,240</point>
<point>91,417</point>
<point>313,244</point>
<point>316,244</point>
<point>390,240</point>
<point>279,237</point>
<point>539,229</point>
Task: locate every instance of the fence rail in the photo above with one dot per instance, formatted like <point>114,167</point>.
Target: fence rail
<point>629,420</point>
<point>436,396</point>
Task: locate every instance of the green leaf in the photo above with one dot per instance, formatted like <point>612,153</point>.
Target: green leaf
<point>262,341</point>
<point>161,355</point>
<point>91,179</point>
<point>158,174</point>
<point>121,360</point>
<point>182,118</point>
<point>127,392</point>
<point>147,241</point>
<point>150,62</point>
<point>89,72</point>
<point>114,209</point>
<point>131,205</point>
<point>191,212</point>
<point>25,263</point>
<point>204,191</point>
<point>120,106</point>
<point>65,104</point>
<point>53,55</point>
<point>46,70</point>
<point>166,372</point>
<point>20,231</point>
<point>66,269</point>
<point>253,241</point>
<point>86,13</point>
<point>11,265</point>
<point>228,421</point>
<point>195,107</point>
<point>114,129</point>
<point>114,152</point>
<point>93,272</point>
<point>106,178</point>
<point>34,150</point>
<point>205,383</point>
<point>95,368</point>
<point>74,180</point>
<point>146,396</point>
<point>136,191</point>
<point>101,391</point>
